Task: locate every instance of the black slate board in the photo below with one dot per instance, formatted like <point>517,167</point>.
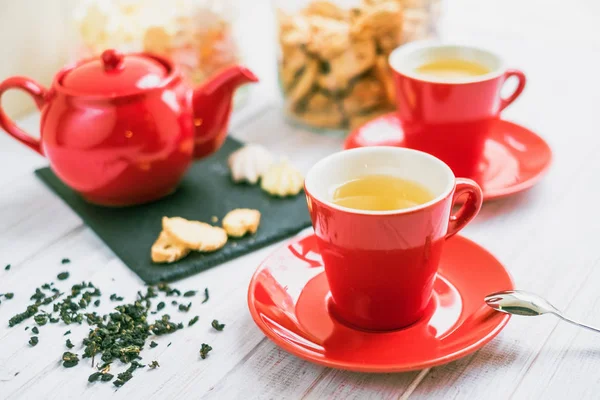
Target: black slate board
<point>206,191</point>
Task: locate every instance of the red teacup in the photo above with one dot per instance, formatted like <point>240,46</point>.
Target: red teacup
<point>381,265</point>
<point>450,118</point>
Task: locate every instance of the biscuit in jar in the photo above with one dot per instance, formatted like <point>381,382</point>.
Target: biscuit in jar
<point>366,94</point>
<point>293,59</point>
<point>295,32</point>
<point>304,83</point>
<point>377,21</point>
<point>333,119</point>
<point>383,73</point>
<point>328,37</point>
<point>322,111</point>
<point>326,9</point>
<point>357,59</point>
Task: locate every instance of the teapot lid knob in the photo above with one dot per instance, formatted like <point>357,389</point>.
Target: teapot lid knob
<point>116,74</point>
<point>112,60</point>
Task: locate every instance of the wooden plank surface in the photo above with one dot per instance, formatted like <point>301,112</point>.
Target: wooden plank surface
<point>547,238</point>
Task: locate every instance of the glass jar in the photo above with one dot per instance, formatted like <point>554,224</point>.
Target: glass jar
<point>333,56</point>
<point>199,35</point>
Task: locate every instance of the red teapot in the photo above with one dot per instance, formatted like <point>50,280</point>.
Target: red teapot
<point>123,129</point>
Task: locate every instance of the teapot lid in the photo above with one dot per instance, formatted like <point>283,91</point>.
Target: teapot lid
<point>114,74</point>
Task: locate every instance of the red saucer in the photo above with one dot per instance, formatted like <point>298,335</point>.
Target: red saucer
<point>288,300</point>
<point>514,159</point>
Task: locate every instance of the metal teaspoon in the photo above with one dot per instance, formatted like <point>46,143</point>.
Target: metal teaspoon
<point>518,302</point>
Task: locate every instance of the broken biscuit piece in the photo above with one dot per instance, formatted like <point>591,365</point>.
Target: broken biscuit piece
<point>194,234</point>
<point>240,221</point>
<point>166,250</point>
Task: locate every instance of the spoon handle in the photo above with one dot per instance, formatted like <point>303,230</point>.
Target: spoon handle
<point>576,323</point>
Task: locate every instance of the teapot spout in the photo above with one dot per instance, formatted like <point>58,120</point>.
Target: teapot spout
<point>212,103</point>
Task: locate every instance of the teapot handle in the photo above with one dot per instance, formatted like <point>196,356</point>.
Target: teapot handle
<point>35,90</point>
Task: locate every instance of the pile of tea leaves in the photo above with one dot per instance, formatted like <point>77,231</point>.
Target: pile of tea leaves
<point>119,335</point>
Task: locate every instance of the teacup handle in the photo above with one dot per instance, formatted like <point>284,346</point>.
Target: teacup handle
<point>470,207</point>
<point>520,86</point>
<point>35,90</point>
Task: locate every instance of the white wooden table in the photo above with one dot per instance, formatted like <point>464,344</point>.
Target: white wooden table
<point>547,238</point>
